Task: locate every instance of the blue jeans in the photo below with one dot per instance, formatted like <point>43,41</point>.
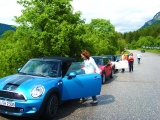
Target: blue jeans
<point>94,98</point>
<point>138,60</point>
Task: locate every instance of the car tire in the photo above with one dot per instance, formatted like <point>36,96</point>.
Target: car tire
<point>51,107</point>
<point>103,77</point>
<point>111,75</point>
<point>114,70</point>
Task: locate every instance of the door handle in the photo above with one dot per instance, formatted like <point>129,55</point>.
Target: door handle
<point>97,78</point>
<point>59,83</point>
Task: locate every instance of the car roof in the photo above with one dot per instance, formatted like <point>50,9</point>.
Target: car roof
<point>118,55</point>
<point>63,59</point>
<point>97,56</point>
<point>108,55</point>
<point>103,56</point>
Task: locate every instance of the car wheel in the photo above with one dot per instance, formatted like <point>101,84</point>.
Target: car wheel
<point>111,75</point>
<point>51,107</point>
<point>103,78</point>
<point>114,70</point>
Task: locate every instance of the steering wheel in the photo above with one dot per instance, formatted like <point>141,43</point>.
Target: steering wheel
<point>52,73</point>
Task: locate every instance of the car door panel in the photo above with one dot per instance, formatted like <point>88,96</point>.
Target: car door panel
<point>81,86</point>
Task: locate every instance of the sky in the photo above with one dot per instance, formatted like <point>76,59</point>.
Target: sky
<point>124,15</point>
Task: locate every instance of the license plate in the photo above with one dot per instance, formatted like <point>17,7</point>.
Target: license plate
<point>7,103</point>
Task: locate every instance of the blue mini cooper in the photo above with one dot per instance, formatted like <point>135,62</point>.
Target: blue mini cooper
<point>42,84</point>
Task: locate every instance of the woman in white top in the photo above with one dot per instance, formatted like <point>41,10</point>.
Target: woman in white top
<point>90,67</point>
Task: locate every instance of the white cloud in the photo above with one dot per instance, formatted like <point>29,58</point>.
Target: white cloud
<point>9,9</point>
<point>125,15</point>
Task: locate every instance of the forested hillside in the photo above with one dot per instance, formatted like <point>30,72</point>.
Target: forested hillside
<point>148,36</point>
<point>154,20</point>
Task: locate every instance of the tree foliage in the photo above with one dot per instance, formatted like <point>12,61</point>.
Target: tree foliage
<point>101,33</point>
<point>53,26</point>
<point>50,28</point>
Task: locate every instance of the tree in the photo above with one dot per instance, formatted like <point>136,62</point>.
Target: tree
<point>141,42</point>
<point>100,33</point>
<point>157,43</point>
<point>8,35</point>
<point>122,44</point>
<point>52,25</point>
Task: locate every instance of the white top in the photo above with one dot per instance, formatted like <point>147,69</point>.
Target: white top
<point>90,66</point>
<point>123,57</point>
<point>139,55</point>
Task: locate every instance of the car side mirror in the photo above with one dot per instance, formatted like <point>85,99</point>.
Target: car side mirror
<point>71,75</point>
<point>18,70</point>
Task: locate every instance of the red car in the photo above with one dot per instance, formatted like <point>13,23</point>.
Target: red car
<point>105,66</point>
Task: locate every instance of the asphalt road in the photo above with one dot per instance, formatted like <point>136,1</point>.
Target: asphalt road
<point>127,96</point>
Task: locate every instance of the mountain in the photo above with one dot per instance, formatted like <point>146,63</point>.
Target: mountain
<point>5,27</point>
<point>155,19</point>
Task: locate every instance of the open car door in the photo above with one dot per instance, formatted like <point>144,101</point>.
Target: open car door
<point>77,84</point>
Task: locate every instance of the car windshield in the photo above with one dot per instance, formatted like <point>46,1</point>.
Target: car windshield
<point>111,58</point>
<point>76,67</point>
<point>98,61</point>
<point>118,57</point>
<point>41,68</point>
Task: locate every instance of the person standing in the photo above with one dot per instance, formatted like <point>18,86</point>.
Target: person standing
<point>123,58</point>
<point>130,62</point>
<point>139,57</point>
<point>90,67</point>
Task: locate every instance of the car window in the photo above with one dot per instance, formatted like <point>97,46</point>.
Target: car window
<point>76,67</point>
<point>111,58</point>
<point>65,67</point>
<point>98,61</point>
<point>106,60</point>
<point>118,57</point>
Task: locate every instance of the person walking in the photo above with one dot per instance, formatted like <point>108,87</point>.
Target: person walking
<point>90,67</point>
<point>123,58</point>
<point>130,62</point>
<point>139,57</point>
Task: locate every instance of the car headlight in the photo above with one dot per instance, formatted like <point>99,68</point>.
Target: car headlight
<point>37,91</point>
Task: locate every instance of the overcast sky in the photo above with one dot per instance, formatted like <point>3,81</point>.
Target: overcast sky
<point>125,15</point>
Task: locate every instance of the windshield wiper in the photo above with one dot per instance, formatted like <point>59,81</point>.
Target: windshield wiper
<point>22,73</point>
<point>38,74</point>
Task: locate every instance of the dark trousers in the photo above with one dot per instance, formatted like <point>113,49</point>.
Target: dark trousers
<point>130,66</point>
<point>139,60</point>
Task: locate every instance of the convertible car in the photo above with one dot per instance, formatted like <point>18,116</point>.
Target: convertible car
<point>42,84</point>
<point>105,66</point>
<point>118,64</point>
<point>112,59</point>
